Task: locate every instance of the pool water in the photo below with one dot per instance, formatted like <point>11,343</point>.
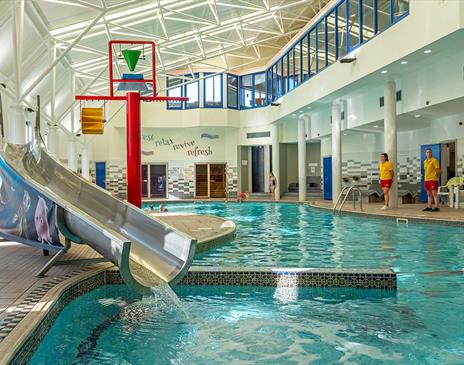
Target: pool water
<point>292,235</point>
<point>421,323</point>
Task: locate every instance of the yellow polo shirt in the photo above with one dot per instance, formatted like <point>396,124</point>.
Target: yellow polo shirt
<point>430,169</point>
<point>386,170</point>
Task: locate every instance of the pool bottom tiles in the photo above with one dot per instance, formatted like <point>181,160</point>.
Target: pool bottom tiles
<point>248,325</point>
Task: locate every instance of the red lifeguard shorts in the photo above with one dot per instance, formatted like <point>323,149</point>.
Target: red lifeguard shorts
<point>386,183</point>
<point>431,185</point>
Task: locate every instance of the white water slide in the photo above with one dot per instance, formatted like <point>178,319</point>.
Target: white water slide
<point>147,251</point>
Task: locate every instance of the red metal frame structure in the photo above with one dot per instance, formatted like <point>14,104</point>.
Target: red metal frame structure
<point>133,126</point>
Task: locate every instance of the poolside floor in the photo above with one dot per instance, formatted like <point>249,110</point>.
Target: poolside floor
<point>409,211</point>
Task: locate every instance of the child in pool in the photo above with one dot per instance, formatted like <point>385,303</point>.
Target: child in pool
<point>242,196</point>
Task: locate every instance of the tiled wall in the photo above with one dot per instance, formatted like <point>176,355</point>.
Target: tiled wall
<point>460,166</point>
<point>366,168</point>
<point>181,179</point>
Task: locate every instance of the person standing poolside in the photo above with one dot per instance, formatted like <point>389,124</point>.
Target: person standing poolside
<point>386,178</point>
<point>431,177</point>
<point>272,184</point>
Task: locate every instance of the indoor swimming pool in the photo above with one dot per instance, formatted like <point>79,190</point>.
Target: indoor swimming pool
<point>420,323</point>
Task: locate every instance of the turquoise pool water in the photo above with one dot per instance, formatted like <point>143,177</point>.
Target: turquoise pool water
<point>421,323</point>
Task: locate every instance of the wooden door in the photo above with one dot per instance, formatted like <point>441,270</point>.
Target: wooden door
<point>217,181</point>
<point>201,181</point>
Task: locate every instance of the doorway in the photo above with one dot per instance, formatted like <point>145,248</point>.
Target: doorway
<point>257,169</point>
<point>327,169</point>
<point>154,181</point>
<point>100,174</point>
<point>210,180</point>
<point>448,161</point>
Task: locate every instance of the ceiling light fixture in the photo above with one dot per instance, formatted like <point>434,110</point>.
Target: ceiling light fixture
<point>417,115</point>
<point>376,126</point>
<point>308,107</point>
<point>404,62</point>
<point>383,71</point>
<point>428,51</point>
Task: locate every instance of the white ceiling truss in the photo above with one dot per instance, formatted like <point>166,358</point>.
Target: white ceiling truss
<point>188,33</point>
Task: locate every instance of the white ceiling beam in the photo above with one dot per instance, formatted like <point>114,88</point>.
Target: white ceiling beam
<point>58,59</point>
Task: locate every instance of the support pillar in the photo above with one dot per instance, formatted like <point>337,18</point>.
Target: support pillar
<point>53,142</point>
<point>16,131</point>
<point>72,154</point>
<point>276,157</point>
<point>85,167</point>
<point>302,159</point>
<point>134,159</point>
<point>391,136</point>
<point>336,151</point>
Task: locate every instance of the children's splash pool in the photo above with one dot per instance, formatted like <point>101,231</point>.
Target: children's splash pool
<point>421,323</point>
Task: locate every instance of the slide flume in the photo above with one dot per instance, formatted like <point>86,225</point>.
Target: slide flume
<point>147,251</point>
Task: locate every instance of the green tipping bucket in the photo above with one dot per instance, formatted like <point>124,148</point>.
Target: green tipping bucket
<point>132,57</point>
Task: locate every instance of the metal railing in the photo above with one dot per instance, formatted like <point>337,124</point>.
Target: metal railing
<point>347,190</point>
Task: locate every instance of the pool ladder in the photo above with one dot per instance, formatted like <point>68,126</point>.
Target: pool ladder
<point>347,190</point>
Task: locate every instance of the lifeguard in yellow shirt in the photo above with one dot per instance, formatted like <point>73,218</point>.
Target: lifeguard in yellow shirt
<point>431,177</point>
<point>386,178</point>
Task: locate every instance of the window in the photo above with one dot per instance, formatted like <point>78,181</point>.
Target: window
<point>305,59</point>
<point>285,74</point>
<point>274,88</point>
<point>232,91</point>
<point>246,89</point>
<point>259,89</point>
<point>312,52</point>
<point>331,38</point>
<point>174,86</point>
<point>298,60</point>
<point>353,23</point>
<point>192,91</point>
<point>279,79</point>
<point>321,53</point>
<point>400,8</point>
<point>291,70</point>
<point>213,91</point>
<point>341,26</point>
<point>269,86</point>
<point>383,15</point>
<point>368,27</point>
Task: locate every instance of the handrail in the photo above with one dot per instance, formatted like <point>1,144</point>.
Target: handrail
<point>338,199</point>
<point>348,190</point>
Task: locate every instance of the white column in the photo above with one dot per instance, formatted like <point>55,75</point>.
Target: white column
<point>390,135</point>
<point>72,155</point>
<point>276,157</point>
<point>336,151</point>
<point>15,129</point>
<point>85,162</point>
<point>53,142</point>
<point>302,158</point>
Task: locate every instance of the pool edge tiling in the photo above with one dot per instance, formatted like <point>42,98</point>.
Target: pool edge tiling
<point>291,277</point>
<point>28,334</point>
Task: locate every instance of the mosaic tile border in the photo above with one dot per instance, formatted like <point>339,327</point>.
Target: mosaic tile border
<point>30,301</point>
<point>286,277</point>
<point>24,352</point>
<point>320,278</point>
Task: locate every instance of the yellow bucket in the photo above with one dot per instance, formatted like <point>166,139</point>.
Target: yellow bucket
<point>92,120</point>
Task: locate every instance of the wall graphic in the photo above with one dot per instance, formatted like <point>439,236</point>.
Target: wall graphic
<point>25,215</point>
<point>183,144</point>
